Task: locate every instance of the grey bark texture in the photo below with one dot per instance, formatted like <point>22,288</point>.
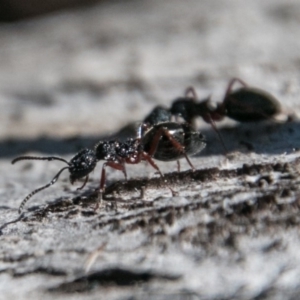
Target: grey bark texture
<point>74,78</point>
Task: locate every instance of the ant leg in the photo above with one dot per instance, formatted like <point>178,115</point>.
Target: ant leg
<point>213,125</point>
<point>147,157</point>
<point>178,165</point>
<point>229,90</point>
<point>113,165</point>
<point>85,181</point>
<point>155,142</point>
<point>162,131</point>
<point>179,147</point>
<point>230,85</point>
<point>191,91</point>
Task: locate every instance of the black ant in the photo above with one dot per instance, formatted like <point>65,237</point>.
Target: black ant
<point>164,141</point>
<point>245,104</point>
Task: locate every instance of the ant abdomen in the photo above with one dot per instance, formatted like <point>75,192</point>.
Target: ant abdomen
<point>174,141</point>
<point>248,104</point>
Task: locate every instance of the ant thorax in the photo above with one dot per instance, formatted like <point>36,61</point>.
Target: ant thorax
<point>115,150</point>
<point>106,150</point>
<point>185,108</point>
<point>128,149</point>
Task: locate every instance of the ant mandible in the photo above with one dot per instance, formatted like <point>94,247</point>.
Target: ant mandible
<point>165,141</point>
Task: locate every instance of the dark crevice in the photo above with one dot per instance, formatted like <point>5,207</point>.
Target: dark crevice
<point>110,277</point>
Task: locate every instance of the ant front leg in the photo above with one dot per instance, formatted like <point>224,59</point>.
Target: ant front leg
<point>114,165</point>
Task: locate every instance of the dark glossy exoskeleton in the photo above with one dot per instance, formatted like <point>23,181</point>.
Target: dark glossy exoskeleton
<point>187,106</point>
<point>158,115</point>
<point>248,104</point>
<point>165,141</point>
<point>245,104</point>
<point>173,141</point>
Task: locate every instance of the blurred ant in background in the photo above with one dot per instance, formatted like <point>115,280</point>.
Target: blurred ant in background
<point>245,104</point>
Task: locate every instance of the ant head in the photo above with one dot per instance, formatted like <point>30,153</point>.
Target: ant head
<point>184,108</point>
<point>106,150</point>
<point>80,166</point>
<point>83,163</point>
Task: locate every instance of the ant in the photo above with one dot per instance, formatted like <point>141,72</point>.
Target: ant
<point>165,141</point>
<point>245,104</point>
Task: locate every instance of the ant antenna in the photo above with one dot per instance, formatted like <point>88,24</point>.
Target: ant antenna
<point>49,158</point>
<point>41,188</point>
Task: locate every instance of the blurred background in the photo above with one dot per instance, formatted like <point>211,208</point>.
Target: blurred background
<point>73,71</point>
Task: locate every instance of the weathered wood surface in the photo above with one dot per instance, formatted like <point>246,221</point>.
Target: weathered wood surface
<point>74,78</point>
